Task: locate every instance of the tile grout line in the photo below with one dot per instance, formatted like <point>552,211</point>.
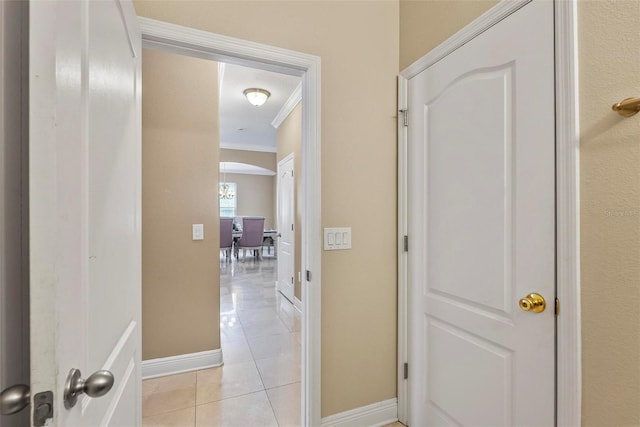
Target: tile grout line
<point>273,411</point>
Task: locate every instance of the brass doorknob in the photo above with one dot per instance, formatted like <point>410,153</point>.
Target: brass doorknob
<point>533,302</point>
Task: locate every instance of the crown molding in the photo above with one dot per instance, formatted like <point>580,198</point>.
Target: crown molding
<point>288,106</point>
<point>247,147</point>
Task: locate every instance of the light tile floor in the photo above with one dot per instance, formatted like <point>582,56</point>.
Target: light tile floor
<point>259,384</point>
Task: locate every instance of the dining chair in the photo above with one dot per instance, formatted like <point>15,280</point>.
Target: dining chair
<point>252,235</point>
<point>226,236</point>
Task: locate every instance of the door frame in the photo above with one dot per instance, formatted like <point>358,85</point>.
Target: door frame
<point>202,44</point>
<point>568,342</point>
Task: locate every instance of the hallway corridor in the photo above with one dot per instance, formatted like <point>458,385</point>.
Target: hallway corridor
<point>259,383</point>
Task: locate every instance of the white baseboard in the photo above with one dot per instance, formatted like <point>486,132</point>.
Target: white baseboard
<point>374,415</point>
<point>296,302</point>
<point>183,363</point>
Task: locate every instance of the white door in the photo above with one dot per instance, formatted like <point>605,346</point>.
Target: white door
<point>286,228</point>
<point>84,172</point>
<point>481,224</point>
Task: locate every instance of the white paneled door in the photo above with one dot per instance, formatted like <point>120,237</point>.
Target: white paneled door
<point>286,228</point>
<point>482,229</point>
<point>85,182</point>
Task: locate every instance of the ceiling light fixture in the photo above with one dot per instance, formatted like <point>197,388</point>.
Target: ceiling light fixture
<point>225,191</point>
<point>256,96</point>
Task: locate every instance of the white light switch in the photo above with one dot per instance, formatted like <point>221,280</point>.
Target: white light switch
<point>198,231</point>
<point>337,238</point>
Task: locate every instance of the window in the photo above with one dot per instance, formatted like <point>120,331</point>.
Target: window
<point>228,199</point>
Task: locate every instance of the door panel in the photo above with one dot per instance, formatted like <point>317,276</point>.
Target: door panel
<point>85,198</point>
<point>470,201</point>
<point>467,394</point>
<point>482,211</point>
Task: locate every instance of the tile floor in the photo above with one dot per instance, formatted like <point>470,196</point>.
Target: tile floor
<point>259,384</point>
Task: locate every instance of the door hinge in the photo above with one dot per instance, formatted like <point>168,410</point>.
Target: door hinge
<point>557,306</point>
<point>406,371</point>
<point>43,408</point>
<point>405,117</point>
<point>308,276</point>
<point>291,227</point>
<point>406,243</point>
<point>292,280</point>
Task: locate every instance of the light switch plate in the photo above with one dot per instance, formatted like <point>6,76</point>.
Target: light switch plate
<point>337,238</point>
<point>198,231</point>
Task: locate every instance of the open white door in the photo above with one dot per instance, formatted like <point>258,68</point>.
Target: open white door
<point>286,228</point>
<point>481,152</point>
<point>85,176</point>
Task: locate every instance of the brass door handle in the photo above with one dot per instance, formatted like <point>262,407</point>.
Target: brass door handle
<point>533,302</point>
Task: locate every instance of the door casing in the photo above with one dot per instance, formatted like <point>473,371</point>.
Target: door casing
<point>202,44</point>
<point>568,346</point>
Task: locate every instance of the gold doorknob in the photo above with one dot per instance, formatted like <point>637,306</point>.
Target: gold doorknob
<point>533,302</point>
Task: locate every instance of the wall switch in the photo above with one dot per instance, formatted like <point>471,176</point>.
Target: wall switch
<point>337,238</point>
<point>198,231</point>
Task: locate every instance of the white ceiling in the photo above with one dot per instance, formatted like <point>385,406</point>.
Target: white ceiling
<point>242,125</point>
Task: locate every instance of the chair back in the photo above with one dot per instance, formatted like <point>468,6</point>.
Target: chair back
<point>226,233</point>
<point>252,232</point>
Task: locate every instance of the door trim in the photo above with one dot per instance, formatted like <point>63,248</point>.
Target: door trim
<point>568,329</point>
<point>202,44</point>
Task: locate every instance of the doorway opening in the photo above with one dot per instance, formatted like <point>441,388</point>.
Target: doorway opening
<point>194,43</point>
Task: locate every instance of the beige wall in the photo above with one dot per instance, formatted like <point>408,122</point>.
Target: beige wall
<point>180,277</point>
<point>358,43</point>
<point>289,138</point>
<point>257,158</point>
<point>610,180</point>
<point>256,196</point>
<point>610,190</point>
<point>424,24</point>
<point>258,193</point>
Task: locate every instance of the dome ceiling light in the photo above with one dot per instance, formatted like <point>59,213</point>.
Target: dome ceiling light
<point>257,96</point>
